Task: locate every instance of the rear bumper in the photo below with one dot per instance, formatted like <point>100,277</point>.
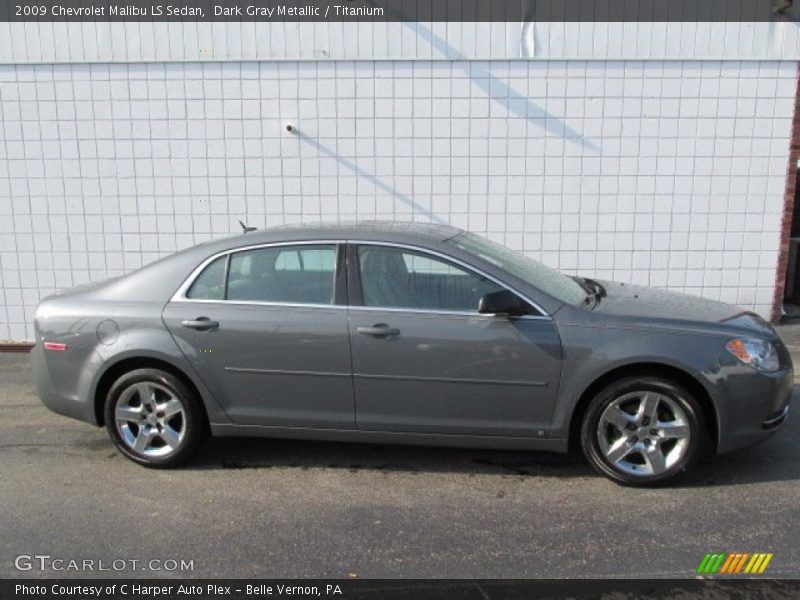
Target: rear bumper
<point>70,398</point>
<point>755,406</point>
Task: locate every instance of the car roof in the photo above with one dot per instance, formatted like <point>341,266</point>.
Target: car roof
<point>387,231</point>
<point>159,279</point>
<point>156,282</point>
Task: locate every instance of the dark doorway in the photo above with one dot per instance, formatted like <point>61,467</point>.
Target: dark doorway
<point>791,295</point>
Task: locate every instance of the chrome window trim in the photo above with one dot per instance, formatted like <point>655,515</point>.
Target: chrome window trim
<point>259,303</point>
<point>454,313</point>
<point>180,294</point>
<point>468,267</point>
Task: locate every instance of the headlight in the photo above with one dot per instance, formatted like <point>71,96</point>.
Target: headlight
<point>758,354</point>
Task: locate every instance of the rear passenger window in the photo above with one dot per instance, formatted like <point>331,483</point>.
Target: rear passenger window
<point>210,284</point>
<point>306,259</point>
<point>287,274</point>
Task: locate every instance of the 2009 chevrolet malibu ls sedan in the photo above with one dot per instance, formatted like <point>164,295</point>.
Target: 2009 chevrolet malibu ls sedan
<point>410,334</point>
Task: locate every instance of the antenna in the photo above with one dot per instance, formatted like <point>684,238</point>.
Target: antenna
<point>246,229</point>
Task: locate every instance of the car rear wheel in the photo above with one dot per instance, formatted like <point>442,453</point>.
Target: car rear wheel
<point>153,418</point>
<point>642,431</point>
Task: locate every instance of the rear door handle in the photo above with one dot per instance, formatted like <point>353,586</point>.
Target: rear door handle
<point>380,330</point>
<point>200,323</point>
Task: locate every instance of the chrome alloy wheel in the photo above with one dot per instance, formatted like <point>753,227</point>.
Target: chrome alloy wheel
<point>150,419</point>
<point>643,433</point>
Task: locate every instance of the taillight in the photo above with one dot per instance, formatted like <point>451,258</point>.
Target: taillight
<point>55,346</point>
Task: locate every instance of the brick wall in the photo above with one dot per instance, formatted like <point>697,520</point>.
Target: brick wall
<point>788,209</point>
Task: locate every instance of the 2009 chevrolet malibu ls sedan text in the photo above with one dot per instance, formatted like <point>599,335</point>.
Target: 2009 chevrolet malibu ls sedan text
<point>406,333</point>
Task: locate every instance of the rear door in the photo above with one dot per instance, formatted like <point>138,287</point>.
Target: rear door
<point>266,330</point>
<point>425,361</point>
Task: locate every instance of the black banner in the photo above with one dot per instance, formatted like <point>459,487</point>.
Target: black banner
<point>241,589</point>
<point>399,10</point>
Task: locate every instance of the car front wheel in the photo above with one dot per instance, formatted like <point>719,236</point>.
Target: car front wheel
<point>153,418</point>
<point>642,431</point>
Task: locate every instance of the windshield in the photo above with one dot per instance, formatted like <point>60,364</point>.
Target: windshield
<point>535,273</point>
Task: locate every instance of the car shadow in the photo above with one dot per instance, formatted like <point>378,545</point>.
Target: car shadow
<point>771,461</point>
<point>251,453</point>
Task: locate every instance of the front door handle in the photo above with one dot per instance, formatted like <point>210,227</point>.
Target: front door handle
<point>201,324</point>
<point>381,330</point>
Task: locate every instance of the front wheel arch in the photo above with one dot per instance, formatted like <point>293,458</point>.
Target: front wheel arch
<point>117,370</point>
<point>668,372</point>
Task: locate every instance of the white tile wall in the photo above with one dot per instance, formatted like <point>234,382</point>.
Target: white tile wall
<point>134,41</point>
<point>663,173</point>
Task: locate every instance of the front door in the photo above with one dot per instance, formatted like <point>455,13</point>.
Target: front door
<point>263,330</point>
<point>425,361</point>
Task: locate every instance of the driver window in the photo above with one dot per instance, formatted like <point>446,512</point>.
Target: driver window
<point>400,278</point>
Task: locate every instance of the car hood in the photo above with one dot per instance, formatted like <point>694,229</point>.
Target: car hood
<point>625,300</point>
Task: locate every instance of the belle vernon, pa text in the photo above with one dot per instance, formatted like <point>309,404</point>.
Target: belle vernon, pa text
<point>156,591</point>
<point>167,10</point>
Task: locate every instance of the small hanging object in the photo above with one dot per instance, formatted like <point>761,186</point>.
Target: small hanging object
<point>290,128</point>
<point>246,229</point>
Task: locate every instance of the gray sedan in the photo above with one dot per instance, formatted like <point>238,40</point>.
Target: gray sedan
<point>401,333</point>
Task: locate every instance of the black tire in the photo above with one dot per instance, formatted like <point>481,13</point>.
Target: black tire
<point>191,419</point>
<point>623,472</point>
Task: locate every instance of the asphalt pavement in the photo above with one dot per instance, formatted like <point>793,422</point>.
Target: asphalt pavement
<point>275,508</point>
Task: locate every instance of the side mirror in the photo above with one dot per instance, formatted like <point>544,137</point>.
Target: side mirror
<point>502,302</point>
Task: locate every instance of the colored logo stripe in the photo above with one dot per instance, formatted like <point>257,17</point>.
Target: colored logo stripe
<point>758,563</point>
<point>711,563</point>
<point>727,564</point>
<point>734,563</point>
<point>730,564</point>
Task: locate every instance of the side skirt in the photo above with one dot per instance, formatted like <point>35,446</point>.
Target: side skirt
<point>390,437</point>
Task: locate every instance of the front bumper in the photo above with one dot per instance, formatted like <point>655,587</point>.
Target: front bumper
<point>776,421</point>
<point>753,406</point>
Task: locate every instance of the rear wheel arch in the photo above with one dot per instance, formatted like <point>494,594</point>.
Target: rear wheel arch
<point>647,369</point>
<point>126,365</point>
